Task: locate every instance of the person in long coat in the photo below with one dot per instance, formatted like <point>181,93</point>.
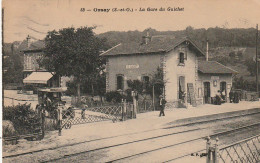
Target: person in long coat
<point>218,98</point>
<point>162,105</point>
<point>236,97</point>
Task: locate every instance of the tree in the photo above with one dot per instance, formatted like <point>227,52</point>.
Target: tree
<point>73,52</point>
<point>158,82</point>
<point>13,66</point>
<point>251,66</point>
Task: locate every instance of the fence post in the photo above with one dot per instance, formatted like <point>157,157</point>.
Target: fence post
<point>42,113</point>
<point>208,144</point>
<point>59,120</point>
<point>132,111</point>
<point>124,110</point>
<point>135,107</point>
<point>145,105</point>
<point>134,94</point>
<point>216,151</point>
<point>153,100</point>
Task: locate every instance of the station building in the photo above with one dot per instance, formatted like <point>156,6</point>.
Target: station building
<point>184,66</point>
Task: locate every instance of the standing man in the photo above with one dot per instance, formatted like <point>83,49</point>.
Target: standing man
<point>231,96</point>
<point>162,105</point>
<point>236,97</point>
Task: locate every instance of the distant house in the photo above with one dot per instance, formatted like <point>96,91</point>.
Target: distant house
<point>33,74</point>
<point>183,62</point>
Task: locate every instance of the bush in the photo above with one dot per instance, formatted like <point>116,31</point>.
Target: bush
<point>71,89</point>
<point>21,117</point>
<point>241,83</point>
<point>114,96</point>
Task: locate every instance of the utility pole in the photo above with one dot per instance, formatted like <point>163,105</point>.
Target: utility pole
<point>256,59</point>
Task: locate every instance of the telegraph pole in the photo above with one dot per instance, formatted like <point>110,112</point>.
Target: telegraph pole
<point>256,59</point>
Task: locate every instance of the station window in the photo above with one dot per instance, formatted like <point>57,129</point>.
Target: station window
<point>181,58</point>
<point>146,80</point>
<point>120,82</point>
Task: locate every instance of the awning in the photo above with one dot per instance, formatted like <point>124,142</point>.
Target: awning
<point>38,78</point>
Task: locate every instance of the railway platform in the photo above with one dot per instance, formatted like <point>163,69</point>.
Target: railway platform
<point>145,122</point>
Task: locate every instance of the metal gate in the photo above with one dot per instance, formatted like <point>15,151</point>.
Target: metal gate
<point>92,114</point>
<point>145,106</point>
<point>247,150</point>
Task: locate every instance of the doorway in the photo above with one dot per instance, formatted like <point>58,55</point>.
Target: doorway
<point>207,98</point>
<point>181,92</point>
<point>223,89</point>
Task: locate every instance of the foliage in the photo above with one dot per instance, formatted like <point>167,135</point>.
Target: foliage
<point>136,85</point>
<point>71,88</point>
<point>158,82</point>
<point>114,96</point>
<point>251,66</point>
<point>20,116</point>
<point>241,83</point>
<point>74,52</point>
<point>12,66</point>
<point>218,37</point>
<point>96,87</point>
<point>232,54</point>
<point>225,60</point>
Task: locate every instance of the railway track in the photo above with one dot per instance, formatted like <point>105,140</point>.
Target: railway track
<point>191,140</point>
<point>139,140</point>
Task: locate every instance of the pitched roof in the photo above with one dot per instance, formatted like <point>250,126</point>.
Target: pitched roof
<point>157,44</point>
<point>213,67</point>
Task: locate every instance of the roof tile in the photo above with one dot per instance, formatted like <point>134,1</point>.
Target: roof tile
<point>213,67</point>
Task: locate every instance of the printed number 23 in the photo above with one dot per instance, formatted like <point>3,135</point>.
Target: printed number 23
<point>82,9</point>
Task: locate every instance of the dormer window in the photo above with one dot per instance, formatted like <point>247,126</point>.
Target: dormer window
<point>181,58</point>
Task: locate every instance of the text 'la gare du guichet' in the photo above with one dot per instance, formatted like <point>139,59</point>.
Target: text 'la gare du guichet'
<point>141,9</point>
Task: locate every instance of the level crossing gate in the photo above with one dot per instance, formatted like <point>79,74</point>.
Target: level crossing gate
<point>74,116</point>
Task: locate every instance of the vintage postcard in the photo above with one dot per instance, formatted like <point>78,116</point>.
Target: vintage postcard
<point>130,81</point>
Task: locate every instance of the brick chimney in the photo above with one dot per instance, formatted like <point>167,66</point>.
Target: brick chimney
<point>28,41</point>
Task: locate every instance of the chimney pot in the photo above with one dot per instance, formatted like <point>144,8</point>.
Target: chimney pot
<point>28,41</point>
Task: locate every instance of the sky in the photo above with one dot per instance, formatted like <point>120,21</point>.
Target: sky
<point>37,17</point>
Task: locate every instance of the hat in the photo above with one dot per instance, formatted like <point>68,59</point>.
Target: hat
<point>161,96</point>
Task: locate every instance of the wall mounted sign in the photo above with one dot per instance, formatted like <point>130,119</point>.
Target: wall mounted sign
<point>132,66</point>
<point>215,83</point>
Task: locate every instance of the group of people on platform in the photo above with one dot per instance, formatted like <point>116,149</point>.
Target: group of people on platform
<point>234,96</point>
<point>220,98</point>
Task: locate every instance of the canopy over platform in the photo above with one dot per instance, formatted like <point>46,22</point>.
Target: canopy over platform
<point>38,78</point>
